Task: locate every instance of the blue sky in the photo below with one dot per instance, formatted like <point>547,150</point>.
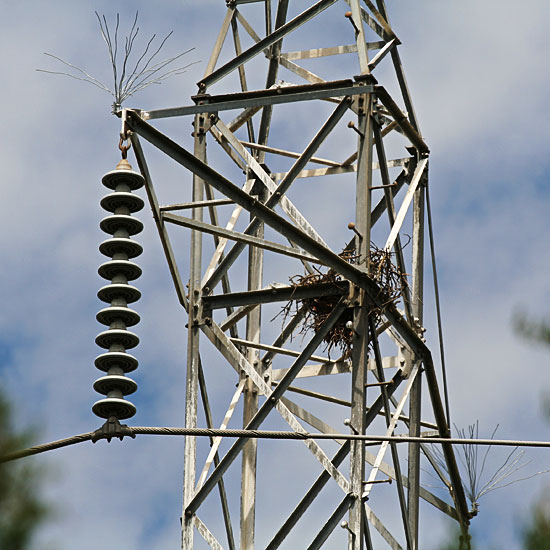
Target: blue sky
<point>478,75</point>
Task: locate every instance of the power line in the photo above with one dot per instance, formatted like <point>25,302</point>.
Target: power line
<point>265,434</point>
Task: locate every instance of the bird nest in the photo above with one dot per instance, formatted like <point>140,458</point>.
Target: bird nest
<point>315,311</point>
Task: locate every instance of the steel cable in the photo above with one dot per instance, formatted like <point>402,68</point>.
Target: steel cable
<point>438,308</point>
<point>265,434</point>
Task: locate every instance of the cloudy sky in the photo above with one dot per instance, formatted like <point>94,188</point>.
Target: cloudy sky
<point>479,77</point>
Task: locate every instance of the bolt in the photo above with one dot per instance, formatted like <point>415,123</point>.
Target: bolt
<point>349,15</point>
<point>345,525</point>
<point>351,125</point>
<point>352,227</point>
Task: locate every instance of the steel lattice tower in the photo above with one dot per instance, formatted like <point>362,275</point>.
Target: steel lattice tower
<point>380,383</point>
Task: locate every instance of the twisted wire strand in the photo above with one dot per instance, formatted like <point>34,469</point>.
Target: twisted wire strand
<point>266,434</point>
<point>37,449</point>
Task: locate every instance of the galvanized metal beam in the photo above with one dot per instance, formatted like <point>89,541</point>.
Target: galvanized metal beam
<point>192,377</point>
<point>360,342</point>
<point>242,72</point>
<point>215,443</point>
<point>352,273</point>
<point>163,234</point>
<point>214,456</point>
<point>275,294</point>
<point>282,152</point>
<point>400,217</point>
<point>277,194</point>
<point>259,98</point>
<point>300,71</point>
<point>266,42</point>
<point>408,129</point>
<point>259,171</point>
<point>214,56</point>
<point>341,169</point>
<point>238,237</point>
<point>390,209</point>
<point>250,400</point>
<point>241,364</point>
<point>396,417</point>
<point>243,354</point>
<point>206,534</point>
<point>324,477</point>
<point>332,522</point>
<point>415,405</point>
<point>264,410</point>
<point>379,526</point>
<point>272,72</point>
<point>334,50</point>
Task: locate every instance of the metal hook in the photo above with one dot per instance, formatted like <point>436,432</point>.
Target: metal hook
<point>124,148</point>
<point>125,132</point>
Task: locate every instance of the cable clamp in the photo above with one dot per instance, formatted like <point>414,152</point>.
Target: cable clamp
<point>112,428</point>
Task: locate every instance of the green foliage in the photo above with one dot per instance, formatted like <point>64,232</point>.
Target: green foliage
<point>22,511</point>
<point>536,535</point>
<point>455,541</point>
<point>533,330</point>
<point>537,331</point>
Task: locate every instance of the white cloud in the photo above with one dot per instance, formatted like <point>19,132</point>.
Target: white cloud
<point>476,72</point>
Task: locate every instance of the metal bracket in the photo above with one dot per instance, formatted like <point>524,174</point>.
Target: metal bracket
<point>112,428</point>
<point>205,123</point>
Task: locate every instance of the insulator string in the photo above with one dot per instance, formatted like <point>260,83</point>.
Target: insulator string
<point>120,270</point>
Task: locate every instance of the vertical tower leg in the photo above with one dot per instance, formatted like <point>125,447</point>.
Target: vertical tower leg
<point>361,337</point>
<point>415,396</point>
<point>191,390</point>
<point>250,403</point>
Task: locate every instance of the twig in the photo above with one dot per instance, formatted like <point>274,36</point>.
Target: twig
<point>391,282</point>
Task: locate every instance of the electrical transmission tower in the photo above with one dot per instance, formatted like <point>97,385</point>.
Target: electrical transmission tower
<point>285,240</point>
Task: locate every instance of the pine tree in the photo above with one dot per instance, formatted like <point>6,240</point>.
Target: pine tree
<point>536,535</point>
<point>22,509</point>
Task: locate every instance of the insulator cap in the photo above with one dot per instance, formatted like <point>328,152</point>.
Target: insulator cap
<point>112,201</point>
<point>113,359</point>
<point>110,224</point>
<point>123,337</point>
<point>129,269</point>
<point>109,314</point>
<point>114,406</point>
<point>118,290</point>
<point>113,382</point>
<point>123,177</point>
<point>120,244</point>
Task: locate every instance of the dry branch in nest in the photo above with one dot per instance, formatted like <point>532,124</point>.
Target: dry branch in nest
<point>391,282</point>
